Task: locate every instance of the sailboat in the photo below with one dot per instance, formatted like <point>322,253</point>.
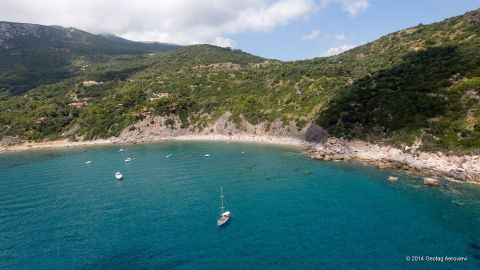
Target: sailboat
<point>224,216</point>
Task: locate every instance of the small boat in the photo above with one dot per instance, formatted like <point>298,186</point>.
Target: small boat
<point>206,155</point>
<point>392,178</point>
<point>118,175</point>
<point>128,159</point>
<point>224,215</point>
<point>168,156</point>
<point>243,152</point>
<point>88,162</point>
<point>121,150</point>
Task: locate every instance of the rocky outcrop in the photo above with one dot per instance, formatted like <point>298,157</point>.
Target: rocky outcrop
<point>8,140</point>
<point>463,168</point>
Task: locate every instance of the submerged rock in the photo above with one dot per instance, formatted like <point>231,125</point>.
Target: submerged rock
<point>458,203</point>
<point>392,179</point>
<point>430,181</point>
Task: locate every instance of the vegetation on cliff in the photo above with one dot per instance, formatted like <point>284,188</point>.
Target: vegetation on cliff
<point>419,84</point>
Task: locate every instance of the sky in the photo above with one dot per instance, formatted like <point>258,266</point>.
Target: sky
<point>278,29</point>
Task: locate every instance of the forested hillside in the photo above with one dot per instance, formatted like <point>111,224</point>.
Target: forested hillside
<point>420,84</point>
<point>33,55</point>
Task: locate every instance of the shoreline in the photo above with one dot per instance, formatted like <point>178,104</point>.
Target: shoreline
<point>464,168</point>
<point>32,146</point>
<point>460,168</point>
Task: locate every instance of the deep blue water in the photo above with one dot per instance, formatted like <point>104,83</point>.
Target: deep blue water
<point>288,211</point>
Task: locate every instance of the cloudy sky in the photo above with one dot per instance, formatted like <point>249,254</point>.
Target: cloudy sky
<point>281,29</point>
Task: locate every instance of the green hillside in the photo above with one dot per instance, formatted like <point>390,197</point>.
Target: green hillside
<point>422,83</point>
<point>33,55</point>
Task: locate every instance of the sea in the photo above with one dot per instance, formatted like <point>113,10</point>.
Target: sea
<point>288,211</point>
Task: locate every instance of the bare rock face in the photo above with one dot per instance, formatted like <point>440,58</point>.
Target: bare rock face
<point>316,134</point>
<point>154,127</point>
<point>9,31</point>
<point>8,140</point>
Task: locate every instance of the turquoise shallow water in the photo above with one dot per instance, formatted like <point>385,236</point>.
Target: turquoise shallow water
<point>288,211</point>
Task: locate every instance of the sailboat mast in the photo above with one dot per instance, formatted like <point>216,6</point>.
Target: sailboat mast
<point>221,196</point>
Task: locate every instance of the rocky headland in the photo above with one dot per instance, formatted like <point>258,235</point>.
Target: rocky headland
<point>459,167</point>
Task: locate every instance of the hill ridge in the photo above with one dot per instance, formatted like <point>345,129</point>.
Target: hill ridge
<point>419,86</point>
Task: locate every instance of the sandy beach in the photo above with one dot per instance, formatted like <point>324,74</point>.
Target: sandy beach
<point>30,146</point>
<point>242,138</point>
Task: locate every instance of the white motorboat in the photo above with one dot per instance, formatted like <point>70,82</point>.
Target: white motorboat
<point>206,155</point>
<point>128,159</point>
<point>88,162</point>
<point>243,152</point>
<point>168,156</point>
<point>121,150</point>
<point>224,215</point>
<point>118,175</point>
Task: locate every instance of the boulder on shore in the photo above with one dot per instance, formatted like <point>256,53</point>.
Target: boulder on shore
<point>430,181</point>
<point>457,174</point>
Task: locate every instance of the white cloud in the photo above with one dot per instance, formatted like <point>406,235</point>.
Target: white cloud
<point>224,42</point>
<point>173,21</point>
<point>266,17</point>
<point>315,34</point>
<point>337,50</point>
<point>355,7</point>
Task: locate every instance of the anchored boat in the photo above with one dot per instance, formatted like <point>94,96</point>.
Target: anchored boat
<point>224,215</point>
